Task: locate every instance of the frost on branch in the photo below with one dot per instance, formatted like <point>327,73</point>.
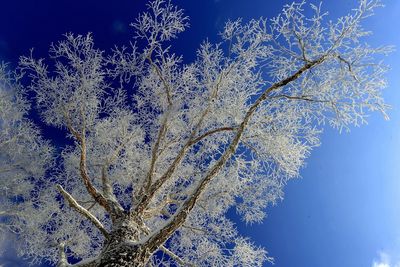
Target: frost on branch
<point>24,158</point>
<point>24,153</point>
<point>163,22</point>
<point>150,183</point>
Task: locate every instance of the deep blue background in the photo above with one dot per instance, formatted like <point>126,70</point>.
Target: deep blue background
<point>345,211</point>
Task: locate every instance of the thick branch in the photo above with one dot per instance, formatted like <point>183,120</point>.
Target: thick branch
<point>86,180</point>
<point>74,204</point>
<point>97,196</point>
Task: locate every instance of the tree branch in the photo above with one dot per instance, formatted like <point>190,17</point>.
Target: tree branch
<point>301,97</point>
<point>75,133</point>
<point>145,200</point>
<point>166,86</point>
<point>159,237</point>
<point>154,152</point>
<point>97,196</point>
<point>74,204</point>
<point>144,191</point>
<point>62,262</point>
<point>174,256</point>
<point>222,129</point>
<point>107,190</point>
<point>88,184</point>
<point>348,66</point>
<point>151,190</point>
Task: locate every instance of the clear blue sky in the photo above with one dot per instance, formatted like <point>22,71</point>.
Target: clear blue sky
<point>345,210</point>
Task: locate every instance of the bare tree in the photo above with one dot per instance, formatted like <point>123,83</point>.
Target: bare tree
<point>148,181</point>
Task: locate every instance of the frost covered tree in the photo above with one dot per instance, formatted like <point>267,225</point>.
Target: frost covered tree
<point>151,171</point>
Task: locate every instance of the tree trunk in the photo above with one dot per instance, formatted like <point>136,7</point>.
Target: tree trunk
<point>123,256</point>
<point>118,250</point>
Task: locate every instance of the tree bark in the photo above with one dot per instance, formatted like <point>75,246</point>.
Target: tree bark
<point>123,255</point>
<point>119,249</point>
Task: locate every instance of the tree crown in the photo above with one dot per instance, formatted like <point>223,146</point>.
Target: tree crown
<point>225,131</point>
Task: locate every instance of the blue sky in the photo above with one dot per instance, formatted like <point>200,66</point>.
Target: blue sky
<point>345,210</point>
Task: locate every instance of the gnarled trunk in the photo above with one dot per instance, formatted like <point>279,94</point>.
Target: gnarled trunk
<point>119,249</point>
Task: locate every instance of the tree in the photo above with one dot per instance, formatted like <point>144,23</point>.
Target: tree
<point>148,178</point>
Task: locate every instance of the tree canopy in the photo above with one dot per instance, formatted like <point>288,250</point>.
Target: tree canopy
<point>161,149</point>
